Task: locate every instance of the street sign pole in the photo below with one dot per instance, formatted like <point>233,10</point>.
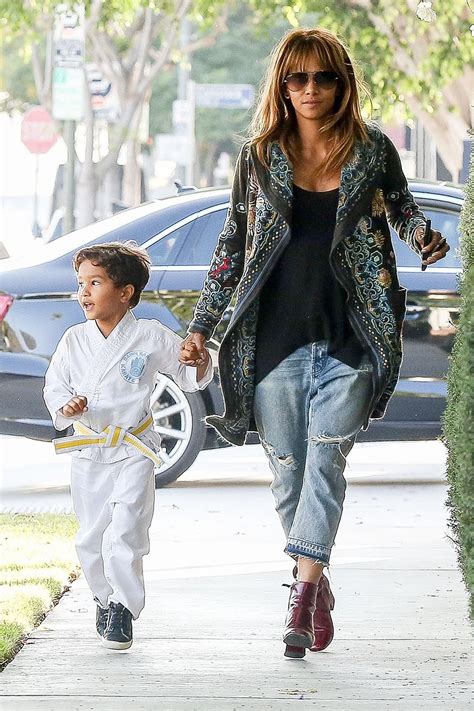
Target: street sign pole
<point>191,97</point>
<point>68,90</point>
<point>38,134</point>
<point>182,127</point>
<point>36,229</point>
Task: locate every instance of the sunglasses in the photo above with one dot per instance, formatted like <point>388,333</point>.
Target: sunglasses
<point>298,80</point>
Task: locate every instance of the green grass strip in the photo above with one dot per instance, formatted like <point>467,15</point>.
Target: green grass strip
<point>38,562</point>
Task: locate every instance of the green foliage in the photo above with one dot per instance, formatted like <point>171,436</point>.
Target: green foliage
<point>219,129</point>
<point>38,560</point>
<point>433,53</point>
<point>399,55</point>
<point>458,430</point>
<point>224,128</point>
<point>17,87</point>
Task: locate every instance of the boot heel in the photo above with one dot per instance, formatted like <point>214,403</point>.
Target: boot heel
<point>297,638</point>
<point>294,652</point>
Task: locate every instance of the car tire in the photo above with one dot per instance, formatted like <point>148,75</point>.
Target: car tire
<point>179,420</point>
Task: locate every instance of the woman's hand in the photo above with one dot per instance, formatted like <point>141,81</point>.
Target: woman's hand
<point>437,248</point>
<point>76,406</point>
<point>193,351</point>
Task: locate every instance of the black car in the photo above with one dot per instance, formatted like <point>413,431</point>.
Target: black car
<point>38,303</point>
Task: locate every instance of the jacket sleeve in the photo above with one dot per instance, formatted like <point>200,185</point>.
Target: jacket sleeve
<point>227,263</point>
<point>57,388</point>
<point>403,213</point>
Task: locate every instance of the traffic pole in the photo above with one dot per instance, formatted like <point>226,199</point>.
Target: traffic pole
<point>36,229</point>
<point>69,192</point>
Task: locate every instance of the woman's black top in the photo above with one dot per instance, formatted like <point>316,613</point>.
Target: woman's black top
<point>302,302</point>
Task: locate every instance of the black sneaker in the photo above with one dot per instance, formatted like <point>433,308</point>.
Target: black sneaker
<point>118,633</point>
<point>101,618</point>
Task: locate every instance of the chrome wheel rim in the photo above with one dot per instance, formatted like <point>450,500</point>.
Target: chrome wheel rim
<point>172,420</point>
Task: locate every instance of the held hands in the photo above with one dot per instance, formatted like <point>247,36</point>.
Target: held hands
<point>436,249</point>
<point>193,351</point>
<point>76,406</point>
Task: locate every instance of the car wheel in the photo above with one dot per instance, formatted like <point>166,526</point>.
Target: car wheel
<point>179,420</point>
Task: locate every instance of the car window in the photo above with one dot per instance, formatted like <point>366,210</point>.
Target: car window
<point>202,239</point>
<point>163,252</point>
<point>447,222</point>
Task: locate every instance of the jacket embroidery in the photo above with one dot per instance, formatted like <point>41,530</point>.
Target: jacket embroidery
<point>373,192</point>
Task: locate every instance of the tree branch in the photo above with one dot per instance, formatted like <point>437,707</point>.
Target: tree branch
<point>448,132</point>
<point>161,57</point>
<point>108,61</point>
<point>219,26</point>
<point>146,39</point>
<point>104,49</point>
<point>135,26</point>
<point>94,13</point>
<point>39,77</point>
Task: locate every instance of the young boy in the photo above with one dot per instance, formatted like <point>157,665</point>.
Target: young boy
<point>100,379</point>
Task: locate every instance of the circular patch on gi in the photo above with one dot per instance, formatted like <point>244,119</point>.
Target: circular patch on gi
<point>133,365</point>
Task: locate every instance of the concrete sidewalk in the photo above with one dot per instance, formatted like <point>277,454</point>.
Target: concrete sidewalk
<point>210,636</point>
<point>38,481</point>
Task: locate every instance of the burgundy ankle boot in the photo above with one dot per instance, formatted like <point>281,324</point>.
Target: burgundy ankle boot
<point>299,620</point>
<point>322,622</point>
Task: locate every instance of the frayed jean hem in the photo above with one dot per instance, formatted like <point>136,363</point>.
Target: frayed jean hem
<point>297,548</point>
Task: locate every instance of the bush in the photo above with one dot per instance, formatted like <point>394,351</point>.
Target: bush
<point>458,426</point>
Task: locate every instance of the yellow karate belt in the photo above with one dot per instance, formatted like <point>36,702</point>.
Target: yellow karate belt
<point>112,436</point>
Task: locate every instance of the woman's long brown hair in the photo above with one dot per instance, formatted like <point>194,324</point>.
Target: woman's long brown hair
<point>275,119</point>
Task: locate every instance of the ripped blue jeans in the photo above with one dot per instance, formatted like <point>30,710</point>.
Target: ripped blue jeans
<point>308,411</point>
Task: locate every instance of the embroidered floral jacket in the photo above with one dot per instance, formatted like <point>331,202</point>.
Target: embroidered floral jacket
<point>257,229</point>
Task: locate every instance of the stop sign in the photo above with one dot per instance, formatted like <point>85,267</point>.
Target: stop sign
<point>37,130</point>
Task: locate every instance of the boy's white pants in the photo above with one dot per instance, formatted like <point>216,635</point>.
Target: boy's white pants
<point>114,503</point>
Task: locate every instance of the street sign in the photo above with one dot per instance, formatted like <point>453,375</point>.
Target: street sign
<point>104,97</point>
<point>182,113</point>
<point>68,58</point>
<point>69,36</point>
<point>68,93</point>
<point>170,147</point>
<point>224,96</point>
<point>38,132</point>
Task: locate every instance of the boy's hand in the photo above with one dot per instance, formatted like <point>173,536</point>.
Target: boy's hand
<point>76,406</point>
<point>193,352</point>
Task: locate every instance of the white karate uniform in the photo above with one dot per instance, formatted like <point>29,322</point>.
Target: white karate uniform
<point>113,488</point>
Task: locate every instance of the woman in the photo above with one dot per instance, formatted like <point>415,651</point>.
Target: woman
<point>313,349</point>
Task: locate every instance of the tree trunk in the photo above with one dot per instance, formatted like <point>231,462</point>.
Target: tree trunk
<point>209,163</point>
<point>449,136</point>
<point>131,185</point>
<point>450,122</point>
<point>86,185</point>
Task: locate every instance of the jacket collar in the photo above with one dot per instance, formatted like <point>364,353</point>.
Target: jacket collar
<point>358,176</point>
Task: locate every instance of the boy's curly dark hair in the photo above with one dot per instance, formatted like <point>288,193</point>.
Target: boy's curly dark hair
<point>124,262</point>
